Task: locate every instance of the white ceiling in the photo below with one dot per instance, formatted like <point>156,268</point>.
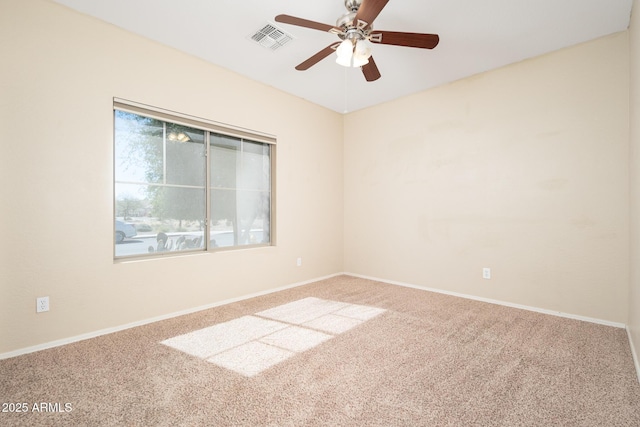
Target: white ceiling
<point>475,36</point>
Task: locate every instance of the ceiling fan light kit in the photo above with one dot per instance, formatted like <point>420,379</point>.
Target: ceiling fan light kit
<point>353,53</point>
<point>356,31</point>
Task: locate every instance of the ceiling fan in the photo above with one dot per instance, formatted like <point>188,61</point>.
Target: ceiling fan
<point>355,30</point>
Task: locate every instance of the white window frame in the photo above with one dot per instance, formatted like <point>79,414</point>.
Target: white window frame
<point>208,126</point>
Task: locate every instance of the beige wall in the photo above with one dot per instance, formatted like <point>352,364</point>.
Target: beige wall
<point>523,169</point>
<point>634,296</point>
<point>59,73</point>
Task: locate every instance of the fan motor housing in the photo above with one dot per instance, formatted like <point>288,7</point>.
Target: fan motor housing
<point>352,29</point>
<point>346,20</point>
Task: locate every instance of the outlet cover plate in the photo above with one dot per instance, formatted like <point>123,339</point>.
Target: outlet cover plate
<point>42,304</point>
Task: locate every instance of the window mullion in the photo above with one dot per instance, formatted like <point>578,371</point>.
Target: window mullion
<point>164,152</point>
<point>207,189</point>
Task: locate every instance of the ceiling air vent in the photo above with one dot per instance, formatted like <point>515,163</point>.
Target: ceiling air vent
<point>271,37</point>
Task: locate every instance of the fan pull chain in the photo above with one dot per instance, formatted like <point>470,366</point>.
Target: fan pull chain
<point>345,90</point>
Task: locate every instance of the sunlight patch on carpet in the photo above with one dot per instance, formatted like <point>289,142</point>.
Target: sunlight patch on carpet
<point>333,324</point>
<point>304,310</point>
<point>296,339</point>
<point>250,344</point>
<point>218,338</point>
<point>251,358</point>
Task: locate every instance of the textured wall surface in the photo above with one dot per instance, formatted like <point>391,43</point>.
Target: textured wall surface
<point>523,169</point>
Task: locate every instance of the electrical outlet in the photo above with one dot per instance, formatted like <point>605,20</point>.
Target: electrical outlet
<point>486,273</point>
<point>299,262</point>
<point>42,304</point>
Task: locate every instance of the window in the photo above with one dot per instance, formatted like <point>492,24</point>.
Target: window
<point>183,184</point>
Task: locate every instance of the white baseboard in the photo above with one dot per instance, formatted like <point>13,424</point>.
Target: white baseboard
<point>89,335</point>
<point>106,331</point>
<point>498,302</point>
<point>633,353</point>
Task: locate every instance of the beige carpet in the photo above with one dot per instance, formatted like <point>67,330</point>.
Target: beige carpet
<point>340,352</point>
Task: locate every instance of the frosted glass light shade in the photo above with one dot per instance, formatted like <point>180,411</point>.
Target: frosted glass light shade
<point>353,54</point>
<point>363,49</point>
<point>344,53</point>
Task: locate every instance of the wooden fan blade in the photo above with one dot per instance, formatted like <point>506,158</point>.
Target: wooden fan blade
<point>423,41</point>
<point>317,57</point>
<point>288,19</point>
<point>370,70</point>
<point>368,11</point>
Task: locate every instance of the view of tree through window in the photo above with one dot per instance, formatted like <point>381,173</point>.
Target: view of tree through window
<point>178,188</point>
